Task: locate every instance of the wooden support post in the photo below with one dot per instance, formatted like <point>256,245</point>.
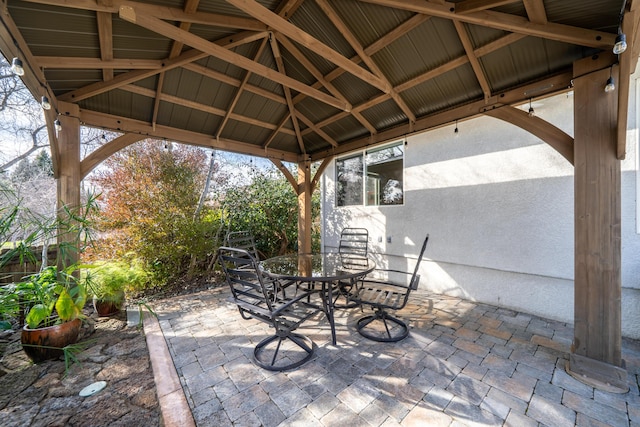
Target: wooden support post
<point>69,177</point>
<point>596,351</point>
<point>304,207</point>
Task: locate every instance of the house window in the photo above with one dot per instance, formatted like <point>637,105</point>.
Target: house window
<point>384,175</point>
<point>349,183</point>
<point>374,179</point>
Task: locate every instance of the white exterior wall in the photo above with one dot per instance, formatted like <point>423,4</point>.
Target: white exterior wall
<point>498,205</point>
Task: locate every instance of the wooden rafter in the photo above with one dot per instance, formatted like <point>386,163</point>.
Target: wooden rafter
<point>444,68</point>
<point>287,93</point>
<point>475,64</point>
<point>176,48</point>
<point>136,75</point>
<point>162,12</point>
<point>101,120</point>
<point>239,90</point>
<point>535,11</point>
<point>318,76</point>
<point>105,35</point>
<point>263,14</point>
<point>369,62</point>
<point>200,107</point>
<point>154,24</point>
<point>507,22</point>
<point>278,128</point>
<point>468,6</point>
<point>72,62</point>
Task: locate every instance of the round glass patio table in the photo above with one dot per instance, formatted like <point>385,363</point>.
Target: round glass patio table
<point>325,269</point>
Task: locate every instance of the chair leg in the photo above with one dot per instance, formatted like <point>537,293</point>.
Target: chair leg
<point>388,335</point>
<point>296,358</point>
<point>344,292</point>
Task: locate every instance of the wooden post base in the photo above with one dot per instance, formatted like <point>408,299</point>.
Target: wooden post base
<point>600,375</point>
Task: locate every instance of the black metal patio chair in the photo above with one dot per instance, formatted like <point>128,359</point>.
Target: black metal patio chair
<point>354,249</point>
<point>262,298</point>
<point>242,240</point>
<point>383,295</point>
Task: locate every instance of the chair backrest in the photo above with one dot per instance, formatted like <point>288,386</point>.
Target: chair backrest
<point>242,240</point>
<point>354,241</point>
<point>415,278</point>
<point>250,288</point>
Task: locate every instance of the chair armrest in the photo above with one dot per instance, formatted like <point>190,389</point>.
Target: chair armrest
<point>249,307</point>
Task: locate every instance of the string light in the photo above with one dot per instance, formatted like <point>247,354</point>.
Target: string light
<point>44,102</point>
<point>57,125</point>
<point>532,113</point>
<point>17,67</point>
<point>611,85</point>
<point>456,132</point>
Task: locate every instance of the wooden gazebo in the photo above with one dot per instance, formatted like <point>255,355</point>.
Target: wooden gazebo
<point>305,80</point>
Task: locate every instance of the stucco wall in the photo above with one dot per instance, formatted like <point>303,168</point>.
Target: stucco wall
<point>498,205</point>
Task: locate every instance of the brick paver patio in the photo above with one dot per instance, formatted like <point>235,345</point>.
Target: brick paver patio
<point>464,363</point>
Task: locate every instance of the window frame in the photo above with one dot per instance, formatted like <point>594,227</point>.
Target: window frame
<point>362,154</point>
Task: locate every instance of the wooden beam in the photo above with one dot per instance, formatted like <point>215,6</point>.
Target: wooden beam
<point>105,35</point>
<point>546,87</point>
<point>555,137</point>
<point>287,174</point>
<point>596,356</point>
<point>369,62</point>
<point>507,22</point>
<point>216,75</point>
<point>236,97</point>
<point>165,13</point>
<point>316,129</point>
<point>304,207</point>
<point>279,127</point>
<point>104,151</point>
<point>201,107</point>
<point>68,182</point>
<point>287,93</point>
<point>176,48</point>
<point>133,76</point>
<point>316,178</point>
<point>475,64</point>
<point>468,6</point>
<point>535,11</point>
<point>69,62</point>
<point>263,14</point>
<point>120,124</point>
<point>168,30</point>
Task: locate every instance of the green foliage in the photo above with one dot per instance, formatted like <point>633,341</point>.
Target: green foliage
<point>109,279</point>
<point>55,291</point>
<point>150,197</point>
<point>52,292</point>
<point>268,208</point>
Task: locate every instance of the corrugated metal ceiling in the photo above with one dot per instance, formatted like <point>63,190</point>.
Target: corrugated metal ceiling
<point>414,67</point>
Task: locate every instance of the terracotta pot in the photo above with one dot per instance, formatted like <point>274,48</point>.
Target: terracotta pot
<point>46,343</point>
<point>108,307</point>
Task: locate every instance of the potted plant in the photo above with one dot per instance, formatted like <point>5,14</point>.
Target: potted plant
<point>108,284</point>
<point>55,299</point>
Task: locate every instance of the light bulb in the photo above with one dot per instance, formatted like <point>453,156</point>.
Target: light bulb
<point>620,45</point>
<point>610,86</point>
<point>58,125</point>
<point>532,113</point>
<point>44,102</point>
<point>16,67</point>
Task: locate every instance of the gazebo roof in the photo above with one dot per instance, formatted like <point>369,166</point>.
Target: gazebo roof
<point>300,79</point>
